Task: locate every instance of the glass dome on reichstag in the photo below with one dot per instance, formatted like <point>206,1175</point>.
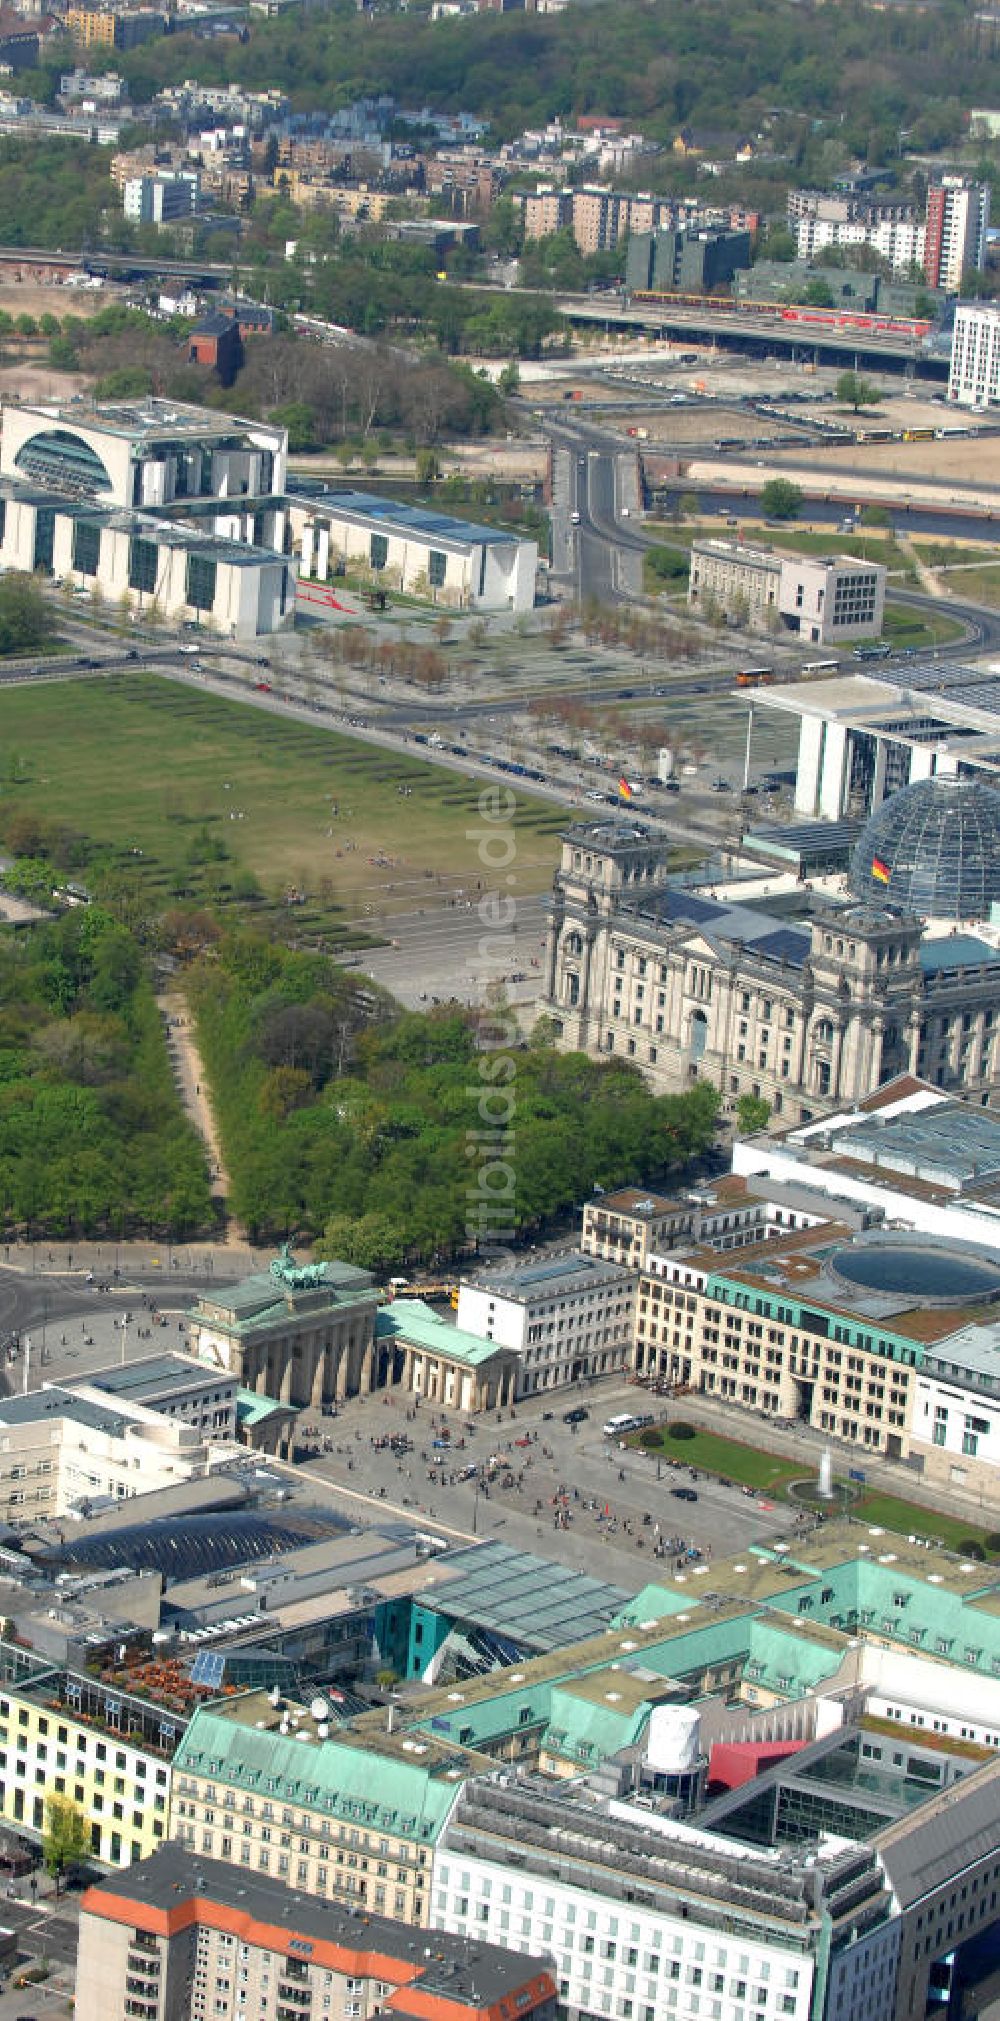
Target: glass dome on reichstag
<point>933,849</point>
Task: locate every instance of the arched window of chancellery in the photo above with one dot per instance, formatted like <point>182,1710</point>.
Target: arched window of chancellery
<point>63,462</point>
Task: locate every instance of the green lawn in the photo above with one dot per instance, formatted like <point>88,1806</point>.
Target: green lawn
<point>728,1458</point>
<point>979,585</point>
<point>913,1520</point>
<point>183,791</point>
<point>905,626</point>
<point>792,536</point>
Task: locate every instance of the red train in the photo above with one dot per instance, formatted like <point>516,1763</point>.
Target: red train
<point>856,322</point>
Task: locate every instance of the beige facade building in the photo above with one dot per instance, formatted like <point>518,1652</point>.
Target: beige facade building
<point>823,600</point>
<point>748,1334</point>
<point>349,1814</point>
<point>808,1008</point>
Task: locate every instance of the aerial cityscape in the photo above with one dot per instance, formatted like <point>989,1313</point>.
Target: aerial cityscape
<point>499,1011</point>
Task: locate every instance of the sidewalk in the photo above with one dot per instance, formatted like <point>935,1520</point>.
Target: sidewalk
<point>224,1261</point>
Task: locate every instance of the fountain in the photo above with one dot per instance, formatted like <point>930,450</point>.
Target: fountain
<point>821,1493</point>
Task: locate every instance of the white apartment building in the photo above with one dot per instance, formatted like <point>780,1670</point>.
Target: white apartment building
<point>159,199</point>
<point>566,1318</point>
<point>958,215</point>
<point>974,378</point>
<point>898,240</point>
<point>650,1919</point>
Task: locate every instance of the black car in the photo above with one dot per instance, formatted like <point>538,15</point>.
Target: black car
<point>685,1494</point>
<point>576,1416</point>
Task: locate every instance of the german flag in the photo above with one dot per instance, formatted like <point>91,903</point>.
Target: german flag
<point>880,870</point>
<point>625,789</point>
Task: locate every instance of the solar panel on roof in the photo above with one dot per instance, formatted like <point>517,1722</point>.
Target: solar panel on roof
<point>208,1668</point>
<point>784,944</point>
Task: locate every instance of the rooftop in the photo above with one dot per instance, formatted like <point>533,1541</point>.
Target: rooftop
<point>55,1402</point>
<point>267,1297</point>
<point>402,1782</point>
<point>156,1375</point>
<point>181,1547</point>
<point>533,1602</point>
<point>950,1143</point>
<point>412,1320</point>
<point>551,1278</point>
<point>146,420</point>
<point>174,1883</point>
<point>635,1200</point>
<point>398,517</point>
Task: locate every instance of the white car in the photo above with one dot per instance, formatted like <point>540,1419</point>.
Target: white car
<point>189,649</point>
<point>625,512</point>
<point>574,519</point>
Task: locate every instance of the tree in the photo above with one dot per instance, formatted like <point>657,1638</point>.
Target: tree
<point>26,620</point>
<point>780,498</point>
<point>66,1842</point>
<point>752,1115</point>
<point>856,391</point>
<point>509,381</point>
<point>777,244</point>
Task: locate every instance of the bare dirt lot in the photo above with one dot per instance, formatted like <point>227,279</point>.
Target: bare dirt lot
<point>705,424</point>
<point>969,461</point>
<point>28,298</point>
<point>39,382</point>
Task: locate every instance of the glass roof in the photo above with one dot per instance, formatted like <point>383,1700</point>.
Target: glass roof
<point>932,849</point>
<point>184,1547</point>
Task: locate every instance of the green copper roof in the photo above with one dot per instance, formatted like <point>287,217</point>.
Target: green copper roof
<point>382,1783</point>
<point>252,1409</point>
<point>410,1319</point>
<point>284,1293</point>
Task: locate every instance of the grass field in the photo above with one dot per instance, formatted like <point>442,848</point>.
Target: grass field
<point>728,1458</point>
<point>980,585</point>
<point>184,792</point>
<point>914,1520</point>
<point>904,625</point>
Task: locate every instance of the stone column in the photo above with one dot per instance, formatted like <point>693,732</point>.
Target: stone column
<point>837,1061</point>
<point>341,1377</point>
<point>318,1390</point>
<point>366,1371</point>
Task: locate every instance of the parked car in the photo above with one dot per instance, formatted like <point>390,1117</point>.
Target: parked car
<point>575,1416</point>
<point>684,1494</point>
